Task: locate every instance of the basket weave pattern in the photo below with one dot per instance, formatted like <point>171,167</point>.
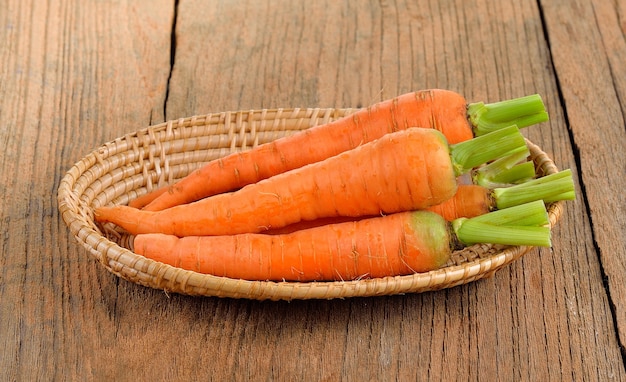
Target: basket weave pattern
<point>130,166</point>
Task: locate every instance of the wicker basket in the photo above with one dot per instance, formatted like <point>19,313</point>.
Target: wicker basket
<point>130,166</point>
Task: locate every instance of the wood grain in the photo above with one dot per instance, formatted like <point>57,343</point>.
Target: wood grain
<point>73,76</point>
<point>76,74</point>
<point>589,50</point>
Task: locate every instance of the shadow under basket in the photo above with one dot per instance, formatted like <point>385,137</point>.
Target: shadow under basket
<point>130,166</point>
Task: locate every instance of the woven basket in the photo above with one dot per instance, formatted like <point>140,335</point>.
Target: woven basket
<point>135,164</point>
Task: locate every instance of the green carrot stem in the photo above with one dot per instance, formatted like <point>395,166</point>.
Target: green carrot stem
<point>510,169</point>
<point>520,225</point>
<point>480,150</point>
<point>469,233</point>
<point>564,196</point>
<point>558,186</point>
<point>522,172</point>
<point>523,112</point>
<point>529,214</point>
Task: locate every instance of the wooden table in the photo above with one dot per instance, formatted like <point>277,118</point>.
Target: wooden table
<point>75,74</point>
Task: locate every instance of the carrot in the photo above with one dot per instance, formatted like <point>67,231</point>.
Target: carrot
<point>470,200</point>
<point>444,110</point>
<point>473,200</point>
<point>407,170</point>
<point>392,245</point>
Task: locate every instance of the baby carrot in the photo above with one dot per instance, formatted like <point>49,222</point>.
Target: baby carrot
<point>392,245</point>
<point>407,170</point>
<point>443,110</point>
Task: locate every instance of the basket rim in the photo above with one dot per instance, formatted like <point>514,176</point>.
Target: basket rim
<point>121,261</point>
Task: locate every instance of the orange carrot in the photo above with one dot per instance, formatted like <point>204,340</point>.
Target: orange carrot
<point>407,170</point>
<point>403,171</point>
<point>392,245</point>
<point>398,244</point>
<point>473,200</point>
<point>444,110</point>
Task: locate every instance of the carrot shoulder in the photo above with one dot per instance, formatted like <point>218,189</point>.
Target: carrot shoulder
<point>444,110</point>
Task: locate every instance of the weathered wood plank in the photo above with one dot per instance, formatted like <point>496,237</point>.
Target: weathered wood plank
<point>73,75</point>
<point>589,51</point>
